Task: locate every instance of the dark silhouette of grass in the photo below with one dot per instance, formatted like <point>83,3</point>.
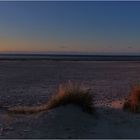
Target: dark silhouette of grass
<point>69,93</point>
<point>133,102</point>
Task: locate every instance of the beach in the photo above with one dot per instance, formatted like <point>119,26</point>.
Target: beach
<point>34,82</point>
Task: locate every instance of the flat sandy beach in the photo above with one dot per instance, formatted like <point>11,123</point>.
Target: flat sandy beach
<point>33,82</point>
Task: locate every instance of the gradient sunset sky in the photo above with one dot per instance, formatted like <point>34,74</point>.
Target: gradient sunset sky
<point>95,27</point>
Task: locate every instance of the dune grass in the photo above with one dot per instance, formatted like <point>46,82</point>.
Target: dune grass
<point>72,93</point>
<point>133,102</point>
<point>69,93</point>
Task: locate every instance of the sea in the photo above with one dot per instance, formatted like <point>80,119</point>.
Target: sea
<point>71,57</point>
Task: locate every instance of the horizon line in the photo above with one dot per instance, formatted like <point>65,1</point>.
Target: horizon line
<point>68,53</point>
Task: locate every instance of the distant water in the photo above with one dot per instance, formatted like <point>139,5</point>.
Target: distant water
<point>70,57</point>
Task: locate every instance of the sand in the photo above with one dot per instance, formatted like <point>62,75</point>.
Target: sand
<point>33,82</point>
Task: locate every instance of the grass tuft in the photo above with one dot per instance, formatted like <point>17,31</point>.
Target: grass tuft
<point>133,102</point>
<point>69,93</point>
<point>72,93</point>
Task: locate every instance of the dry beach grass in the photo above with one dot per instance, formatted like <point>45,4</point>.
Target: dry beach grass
<point>133,102</point>
<point>73,93</point>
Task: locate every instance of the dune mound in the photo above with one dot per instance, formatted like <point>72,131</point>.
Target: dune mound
<point>66,122</point>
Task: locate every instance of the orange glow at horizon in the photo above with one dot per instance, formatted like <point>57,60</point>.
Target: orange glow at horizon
<point>50,45</point>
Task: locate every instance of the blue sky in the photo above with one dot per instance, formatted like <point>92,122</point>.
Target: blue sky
<point>83,27</point>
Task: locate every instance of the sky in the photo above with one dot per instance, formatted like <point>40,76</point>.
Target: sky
<point>70,27</point>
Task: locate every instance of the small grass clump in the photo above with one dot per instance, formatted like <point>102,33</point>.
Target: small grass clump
<point>133,102</point>
<point>72,93</point>
<point>69,93</point>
